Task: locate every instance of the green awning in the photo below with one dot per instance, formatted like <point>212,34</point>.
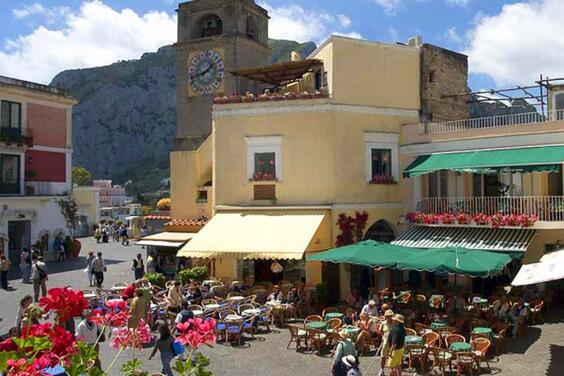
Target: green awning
<point>367,253</point>
<point>533,159</point>
<point>456,261</point>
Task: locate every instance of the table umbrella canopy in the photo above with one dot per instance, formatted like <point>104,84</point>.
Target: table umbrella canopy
<point>367,253</point>
<point>455,260</point>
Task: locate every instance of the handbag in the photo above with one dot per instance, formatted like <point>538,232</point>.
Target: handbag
<point>177,348</point>
<point>101,336</point>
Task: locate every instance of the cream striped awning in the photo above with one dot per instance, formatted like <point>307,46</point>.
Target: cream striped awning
<point>257,234</point>
<point>167,239</point>
<point>486,239</point>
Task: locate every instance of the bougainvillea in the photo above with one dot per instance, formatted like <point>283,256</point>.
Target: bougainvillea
<point>352,228</point>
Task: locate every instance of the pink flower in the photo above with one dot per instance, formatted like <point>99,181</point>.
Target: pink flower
<point>197,332</point>
<point>117,305</point>
<point>120,338</point>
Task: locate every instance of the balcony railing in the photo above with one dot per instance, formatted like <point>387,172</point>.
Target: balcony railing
<point>16,136</point>
<point>491,122</point>
<point>546,208</point>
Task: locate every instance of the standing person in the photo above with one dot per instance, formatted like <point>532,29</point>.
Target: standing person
<point>174,297</point>
<point>39,277</point>
<point>138,310</point>
<point>276,270</point>
<point>396,340</point>
<point>98,268</point>
<point>88,332</point>
<point>344,347</point>
<point>123,234</point>
<point>89,259</point>
<point>4,267</point>
<point>58,244</point>
<point>165,346</point>
<point>25,265</point>
<point>151,263</point>
<point>97,234</point>
<point>138,267</point>
<point>385,332</point>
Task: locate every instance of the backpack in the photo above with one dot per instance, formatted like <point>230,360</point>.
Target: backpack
<point>177,348</point>
<point>186,315</point>
<point>42,273</point>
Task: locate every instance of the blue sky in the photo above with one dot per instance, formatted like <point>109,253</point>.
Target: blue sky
<point>506,40</point>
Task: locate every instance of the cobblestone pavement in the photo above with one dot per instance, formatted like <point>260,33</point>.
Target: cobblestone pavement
<point>539,352</point>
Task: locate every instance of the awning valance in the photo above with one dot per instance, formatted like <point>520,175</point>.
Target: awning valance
<point>512,241</point>
<point>167,239</point>
<point>260,234</point>
<point>529,159</point>
<point>549,268</point>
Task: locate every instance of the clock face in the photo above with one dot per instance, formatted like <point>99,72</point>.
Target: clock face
<point>205,72</point>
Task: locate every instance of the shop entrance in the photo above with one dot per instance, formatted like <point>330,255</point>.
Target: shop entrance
<point>19,235</point>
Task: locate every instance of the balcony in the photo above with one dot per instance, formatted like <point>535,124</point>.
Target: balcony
<point>545,208</point>
<point>491,122</point>
<point>19,136</point>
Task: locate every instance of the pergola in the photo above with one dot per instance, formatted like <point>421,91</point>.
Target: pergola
<point>280,73</point>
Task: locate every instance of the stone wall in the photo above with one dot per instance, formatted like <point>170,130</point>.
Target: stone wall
<point>443,72</point>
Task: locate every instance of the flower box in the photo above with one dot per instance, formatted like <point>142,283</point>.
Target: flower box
<point>382,179</point>
<point>265,176</point>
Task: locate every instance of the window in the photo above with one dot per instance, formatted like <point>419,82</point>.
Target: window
<point>381,157</point>
<point>432,179</point>
<point>318,80</point>
<point>477,185</point>
<point>9,174</point>
<point>432,76</point>
<point>264,158</point>
<point>210,25</point>
<point>202,197</point>
<point>438,184</point>
<point>251,28</point>
<point>10,115</point>
<point>381,162</point>
<point>265,166</point>
<point>559,105</point>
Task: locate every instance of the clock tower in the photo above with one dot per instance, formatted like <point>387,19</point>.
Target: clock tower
<point>214,36</point>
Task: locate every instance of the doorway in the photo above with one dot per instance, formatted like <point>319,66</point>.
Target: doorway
<point>19,235</point>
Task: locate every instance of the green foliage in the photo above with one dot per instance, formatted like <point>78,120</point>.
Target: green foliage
<point>69,210</point>
<point>282,49</point>
<point>197,273</point>
<point>321,293</point>
<point>81,176</point>
<point>132,367</point>
<point>119,223</point>
<point>197,367</point>
<point>79,362</point>
<point>69,245</point>
<point>156,279</point>
<point>146,209</point>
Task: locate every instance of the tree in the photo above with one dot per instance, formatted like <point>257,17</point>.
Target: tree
<point>69,210</point>
<point>163,204</point>
<point>81,176</point>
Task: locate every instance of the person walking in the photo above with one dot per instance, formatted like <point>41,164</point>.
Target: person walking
<point>98,235</point>
<point>98,268</point>
<point>39,277</point>
<point>59,246</point>
<point>164,344</point>
<point>89,259</point>
<point>25,265</point>
<point>151,263</point>
<point>351,363</point>
<point>124,236</point>
<point>344,348</point>
<point>396,340</point>
<point>4,267</point>
<point>138,267</point>
<point>138,310</point>
<point>88,332</point>
<point>385,328</point>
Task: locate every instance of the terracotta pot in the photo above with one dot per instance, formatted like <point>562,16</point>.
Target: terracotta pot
<point>77,245</point>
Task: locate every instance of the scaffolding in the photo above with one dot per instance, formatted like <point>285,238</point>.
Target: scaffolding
<point>535,95</point>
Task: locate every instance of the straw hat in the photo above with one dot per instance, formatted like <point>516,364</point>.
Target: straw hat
<point>388,313</point>
<point>344,334</point>
<point>349,360</point>
<point>371,303</point>
<point>385,306</point>
<point>399,318</point>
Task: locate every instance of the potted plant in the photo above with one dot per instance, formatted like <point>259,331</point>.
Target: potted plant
<point>463,219</point>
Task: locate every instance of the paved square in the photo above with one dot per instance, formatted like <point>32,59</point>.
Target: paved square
<point>539,352</point>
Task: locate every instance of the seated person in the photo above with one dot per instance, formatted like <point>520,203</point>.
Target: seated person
<point>350,317</point>
<point>368,330</point>
<point>517,315</point>
<point>293,297</point>
<point>370,309</point>
<point>129,291</point>
<point>174,297</point>
<point>276,295</point>
<point>194,294</point>
<point>353,300</point>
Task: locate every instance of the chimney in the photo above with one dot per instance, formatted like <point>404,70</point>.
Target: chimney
<point>416,41</point>
<point>295,56</point>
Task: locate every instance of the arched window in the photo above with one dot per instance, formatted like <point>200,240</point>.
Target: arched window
<point>251,27</point>
<point>209,26</point>
<point>380,231</point>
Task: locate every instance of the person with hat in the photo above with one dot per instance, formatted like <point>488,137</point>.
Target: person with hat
<point>396,340</point>
<point>385,329</point>
<point>370,309</point>
<point>344,347</point>
<point>352,363</point>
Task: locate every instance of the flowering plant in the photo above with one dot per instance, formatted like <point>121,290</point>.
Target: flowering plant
<point>498,220</point>
<point>481,219</point>
<point>527,220</point>
<point>415,217</point>
<point>382,179</point>
<point>447,218</point>
<point>352,228</point>
<point>431,219</point>
<point>195,332</point>
<point>65,302</point>
<point>463,219</point>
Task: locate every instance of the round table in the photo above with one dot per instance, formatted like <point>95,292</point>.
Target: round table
<point>438,325</point>
<point>249,312</point>
<point>232,318</point>
<point>413,340</point>
<point>319,325</point>
<point>334,315</point>
<point>89,296</point>
<point>236,298</point>
<point>197,312</point>
<point>482,330</point>
<point>209,307</point>
<point>460,347</point>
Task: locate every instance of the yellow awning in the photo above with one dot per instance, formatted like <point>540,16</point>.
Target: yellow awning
<point>257,234</point>
<point>171,236</point>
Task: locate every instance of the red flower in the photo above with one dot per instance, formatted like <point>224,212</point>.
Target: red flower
<point>447,218</point>
<point>117,305</point>
<point>8,345</point>
<point>66,303</point>
<point>463,219</point>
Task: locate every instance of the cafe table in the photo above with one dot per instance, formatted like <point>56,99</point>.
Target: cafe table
<point>212,306</point>
<point>413,340</point>
<point>197,312</point>
<point>319,325</point>
<point>438,325</point>
<point>233,318</point>
<point>460,347</point>
<point>333,315</point>
<point>483,331</point>
<point>236,298</point>
<point>251,311</point>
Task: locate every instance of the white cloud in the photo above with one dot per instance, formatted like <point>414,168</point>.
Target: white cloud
<point>95,35</point>
<point>452,36</point>
<point>460,3</point>
<point>393,34</point>
<point>49,15</point>
<point>522,41</point>
<point>352,34</point>
<point>390,7</point>
<point>344,20</point>
<point>297,23</point>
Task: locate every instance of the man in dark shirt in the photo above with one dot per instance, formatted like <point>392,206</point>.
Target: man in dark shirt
<point>396,340</point>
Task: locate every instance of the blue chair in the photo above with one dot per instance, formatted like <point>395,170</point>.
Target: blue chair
<point>234,330</point>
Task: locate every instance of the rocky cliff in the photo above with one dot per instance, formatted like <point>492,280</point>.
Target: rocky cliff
<point>124,125</point>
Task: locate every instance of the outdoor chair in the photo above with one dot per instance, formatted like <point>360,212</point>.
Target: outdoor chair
<point>499,334</point>
<point>452,338</point>
<point>535,312</point>
<point>206,302</point>
<point>421,328</point>
<point>249,299</point>
<point>233,293</point>
<point>297,335</point>
<point>264,319</point>
<point>234,331</point>
<point>444,332</point>
<point>430,339</point>
<point>328,310</point>
<point>313,318</point>
<point>478,323</point>
<point>226,312</point>
<point>441,359</point>
<point>317,339</point>
<point>410,332</point>
<point>480,348</point>
<point>416,354</point>
<point>249,325</point>
<point>195,307</point>
<point>243,307</point>
<point>420,298</point>
<point>465,363</point>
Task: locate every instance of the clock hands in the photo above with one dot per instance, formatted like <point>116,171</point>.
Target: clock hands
<point>201,73</point>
